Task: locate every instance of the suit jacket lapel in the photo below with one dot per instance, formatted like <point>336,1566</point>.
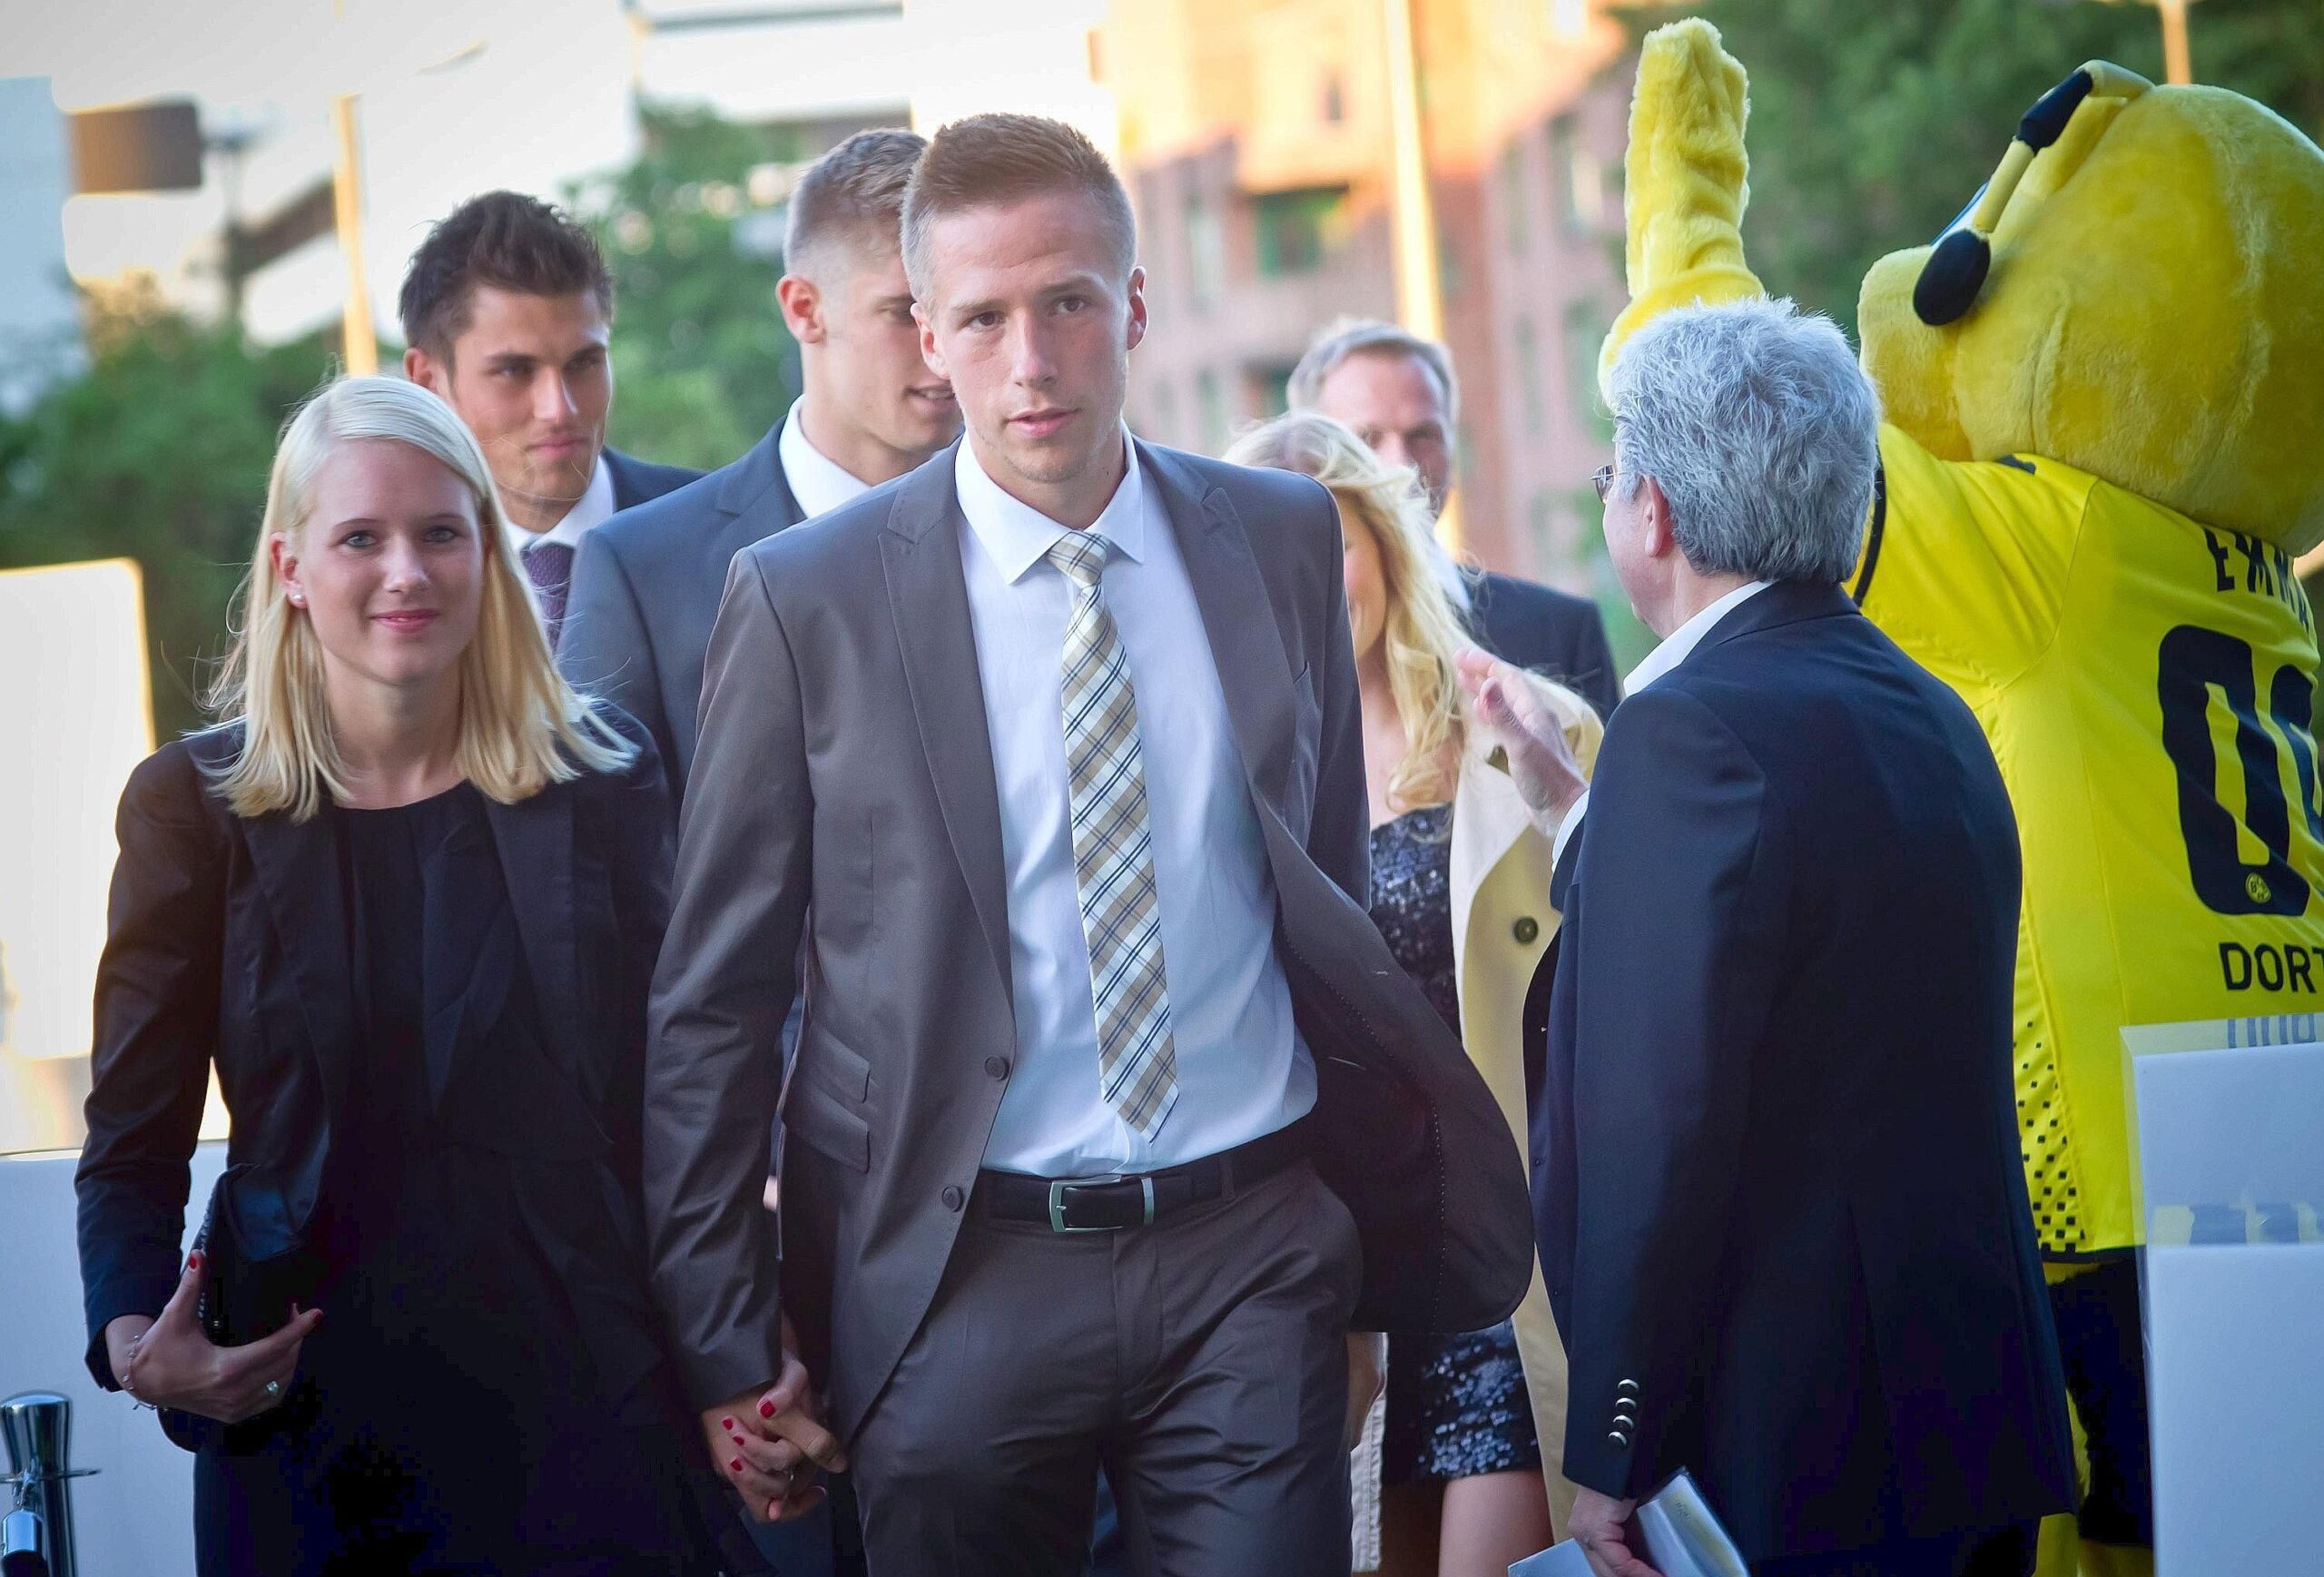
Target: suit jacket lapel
<point>298,870</point>
<point>534,839</point>
<point>1246,642</point>
<point>928,596</point>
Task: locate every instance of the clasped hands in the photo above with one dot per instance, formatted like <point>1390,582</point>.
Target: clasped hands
<point>768,1444</point>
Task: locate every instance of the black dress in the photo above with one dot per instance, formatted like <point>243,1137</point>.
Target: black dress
<point>451,1412</point>
<point>1457,1405</point>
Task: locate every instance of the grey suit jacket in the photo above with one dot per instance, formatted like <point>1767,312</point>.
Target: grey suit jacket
<point>646,589</point>
<point>843,790</point>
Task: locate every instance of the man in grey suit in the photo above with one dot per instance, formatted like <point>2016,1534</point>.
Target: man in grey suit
<point>646,585</point>
<point>1111,1113</point>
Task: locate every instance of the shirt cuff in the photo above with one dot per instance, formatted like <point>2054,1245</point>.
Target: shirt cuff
<point>1566,829</point>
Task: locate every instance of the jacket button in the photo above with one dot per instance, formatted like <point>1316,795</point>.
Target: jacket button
<point>1619,1441</point>
<point>997,1066</point>
<point>952,1197</point>
<point>1627,1388</point>
<point>1526,929</point>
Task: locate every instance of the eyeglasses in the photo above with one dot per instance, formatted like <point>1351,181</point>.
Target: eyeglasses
<point>1602,478</point>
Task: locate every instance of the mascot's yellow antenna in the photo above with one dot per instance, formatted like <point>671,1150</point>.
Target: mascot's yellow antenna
<point>1956,272</point>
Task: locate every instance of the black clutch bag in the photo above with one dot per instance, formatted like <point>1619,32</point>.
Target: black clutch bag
<point>256,1264</point>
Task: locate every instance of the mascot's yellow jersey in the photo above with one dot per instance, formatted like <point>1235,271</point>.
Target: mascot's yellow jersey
<point>2147,684</point>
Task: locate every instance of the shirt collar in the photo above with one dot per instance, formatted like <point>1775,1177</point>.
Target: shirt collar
<point>1682,641</point>
<point>1018,536</point>
<point>594,507</point>
<point>820,483</point>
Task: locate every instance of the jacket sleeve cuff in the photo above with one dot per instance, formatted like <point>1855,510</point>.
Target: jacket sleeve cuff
<point>107,1301</point>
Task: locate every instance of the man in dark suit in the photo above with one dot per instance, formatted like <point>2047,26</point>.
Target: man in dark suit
<point>1398,392</point>
<point>1110,1110</point>
<point>506,309</point>
<point>647,587</point>
<point>1776,1175</point>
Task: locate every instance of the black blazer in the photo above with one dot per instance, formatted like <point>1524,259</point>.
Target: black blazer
<point>635,481</point>
<point>1553,633</point>
<point>645,590</point>
<point>1776,1174</point>
<point>225,944</point>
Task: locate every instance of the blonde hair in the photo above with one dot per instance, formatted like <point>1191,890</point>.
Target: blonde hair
<point>1420,632</point>
<point>522,726</point>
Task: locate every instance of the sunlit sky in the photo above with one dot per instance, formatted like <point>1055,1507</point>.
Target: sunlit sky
<point>459,96</point>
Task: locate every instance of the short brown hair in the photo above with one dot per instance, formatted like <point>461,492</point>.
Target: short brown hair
<point>851,194</point>
<point>505,239</point>
<point>986,160</point>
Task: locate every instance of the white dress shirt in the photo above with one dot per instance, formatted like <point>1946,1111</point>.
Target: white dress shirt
<point>592,509</point>
<point>1676,649</point>
<point>820,483</point>
<point>1242,1070</point>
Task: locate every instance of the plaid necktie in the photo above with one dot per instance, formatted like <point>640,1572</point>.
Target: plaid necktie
<point>1113,851</point>
<point>549,567</point>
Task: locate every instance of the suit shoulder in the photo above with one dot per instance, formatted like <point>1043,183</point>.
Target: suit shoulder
<point>172,786</point>
<point>1262,487</point>
<point>839,536</point>
<point>647,481</point>
<point>678,511</point>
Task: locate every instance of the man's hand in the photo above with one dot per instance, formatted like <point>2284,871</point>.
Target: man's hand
<point>1540,761</point>
<point>1601,1527</point>
<point>768,1443</point>
<point>168,1362</point>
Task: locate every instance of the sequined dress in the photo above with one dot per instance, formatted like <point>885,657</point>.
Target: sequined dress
<point>1457,1405</point>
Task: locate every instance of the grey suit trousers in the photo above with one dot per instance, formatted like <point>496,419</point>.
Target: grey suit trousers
<point>1201,1360</point>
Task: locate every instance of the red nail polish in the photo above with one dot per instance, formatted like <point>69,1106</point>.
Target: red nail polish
<point>195,1259</point>
<point>766,1409</point>
<point>727,1422</point>
<point>737,1464</point>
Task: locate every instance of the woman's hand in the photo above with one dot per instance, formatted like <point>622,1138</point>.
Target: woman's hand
<point>169,1363</point>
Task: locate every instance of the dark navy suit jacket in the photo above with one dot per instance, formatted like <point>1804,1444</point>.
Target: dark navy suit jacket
<point>645,592</point>
<point>636,480</point>
<point>1776,1175</point>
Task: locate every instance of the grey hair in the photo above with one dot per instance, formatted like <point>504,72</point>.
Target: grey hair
<point>1346,337</point>
<point>1762,431</point>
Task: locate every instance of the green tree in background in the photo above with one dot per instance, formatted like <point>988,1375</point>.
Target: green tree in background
<point>158,449</point>
<point>703,366</point>
<point>158,452</point>
<point>1872,126</point>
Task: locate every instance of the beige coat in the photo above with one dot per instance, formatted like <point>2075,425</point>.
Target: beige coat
<point>1501,924</point>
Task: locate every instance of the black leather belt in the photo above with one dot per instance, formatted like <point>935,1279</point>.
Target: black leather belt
<point>1116,1202</point>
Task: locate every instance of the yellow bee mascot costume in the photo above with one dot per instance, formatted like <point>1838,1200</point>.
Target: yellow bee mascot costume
<point>2105,445</point>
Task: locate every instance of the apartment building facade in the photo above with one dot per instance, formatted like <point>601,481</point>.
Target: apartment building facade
<point>1256,140</point>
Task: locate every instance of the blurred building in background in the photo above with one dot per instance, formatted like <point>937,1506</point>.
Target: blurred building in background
<point>1258,145</point>
<point>40,316</point>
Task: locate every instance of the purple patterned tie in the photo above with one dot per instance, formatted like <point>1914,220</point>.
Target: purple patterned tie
<point>549,567</point>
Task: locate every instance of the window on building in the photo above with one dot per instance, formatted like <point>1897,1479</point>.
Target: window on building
<point>1334,105</point>
<point>1205,250</point>
<point>1580,176</point>
<point>1297,229</point>
<point>1513,195</point>
<point>1210,412</point>
<point>1525,350</point>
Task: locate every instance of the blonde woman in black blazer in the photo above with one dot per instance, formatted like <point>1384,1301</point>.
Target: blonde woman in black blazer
<point>407,903</point>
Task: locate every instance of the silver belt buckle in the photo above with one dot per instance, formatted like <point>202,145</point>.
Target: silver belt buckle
<point>1057,1187</point>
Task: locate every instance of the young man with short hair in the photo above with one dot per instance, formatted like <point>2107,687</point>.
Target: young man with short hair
<point>1400,395</point>
<point>1111,1111</point>
<point>647,587</point>
<point>507,311</point>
